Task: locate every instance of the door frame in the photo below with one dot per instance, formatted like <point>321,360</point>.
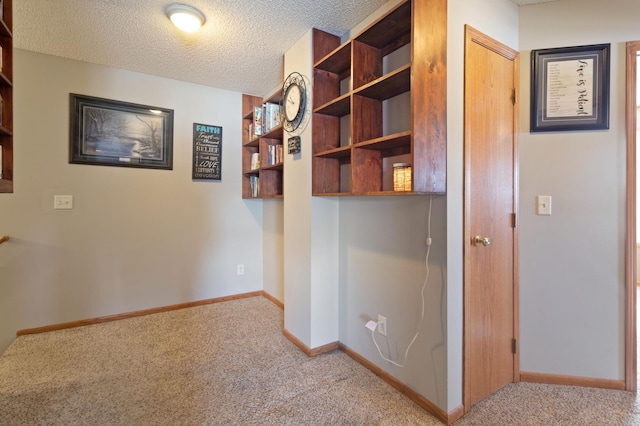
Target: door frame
<point>630,370</point>
<point>474,36</point>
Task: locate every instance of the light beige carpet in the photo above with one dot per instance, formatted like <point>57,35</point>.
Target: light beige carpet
<point>229,364</point>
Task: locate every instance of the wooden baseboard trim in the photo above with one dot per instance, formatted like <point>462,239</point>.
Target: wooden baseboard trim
<point>306,349</point>
<point>587,382</point>
<point>407,391</point>
<point>455,414</point>
<point>133,314</point>
<point>273,299</point>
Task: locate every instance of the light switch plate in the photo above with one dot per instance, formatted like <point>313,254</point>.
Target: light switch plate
<point>543,205</point>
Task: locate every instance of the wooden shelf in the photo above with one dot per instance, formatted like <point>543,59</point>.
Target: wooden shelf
<point>342,152</point>
<point>6,186</point>
<point>253,142</point>
<point>273,167</point>
<point>6,93</point>
<point>338,61</point>
<point>5,31</point>
<point>269,177</point>
<point>4,80</point>
<point>398,140</point>
<point>338,107</point>
<point>353,143</point>
<point>391,31</point>
<point>388,86</point>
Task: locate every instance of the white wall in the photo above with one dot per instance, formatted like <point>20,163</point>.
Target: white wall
<point>572,263</point>
<point>497,19</point>
<point>136,238</point>
<point>273,247</point>
<point>310,234</point>
<point>382,242</point>
<point>382,271</point>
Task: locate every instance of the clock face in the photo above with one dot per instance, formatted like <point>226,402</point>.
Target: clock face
<point>293,102</point>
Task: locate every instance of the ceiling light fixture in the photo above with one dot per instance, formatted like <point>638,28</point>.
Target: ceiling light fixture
<point>186,18</point>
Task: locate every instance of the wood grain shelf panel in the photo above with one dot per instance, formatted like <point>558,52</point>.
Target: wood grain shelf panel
<point>338,61</point>
<point>338,107</point>
<point>388,86</point>
<point>392,29</point>
<point>342,152</point>
<point>252,142</point>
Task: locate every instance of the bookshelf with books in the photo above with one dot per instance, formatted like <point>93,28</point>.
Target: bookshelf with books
<point>395,65</point>
<point>6,96</point>
<point>262,147</point>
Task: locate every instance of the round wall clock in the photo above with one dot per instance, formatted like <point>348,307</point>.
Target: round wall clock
<point>294,101</point>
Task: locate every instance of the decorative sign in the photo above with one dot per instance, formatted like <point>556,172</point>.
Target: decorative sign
<point>207,152</point>
<point>570,88</point>
<point>294,145</point>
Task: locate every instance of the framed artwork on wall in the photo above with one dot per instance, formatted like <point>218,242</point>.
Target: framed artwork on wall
<point>114,133</point>
<point>207,152</point>
<point>570,88</point>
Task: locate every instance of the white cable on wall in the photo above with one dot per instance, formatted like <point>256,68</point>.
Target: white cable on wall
<point>424,285</point>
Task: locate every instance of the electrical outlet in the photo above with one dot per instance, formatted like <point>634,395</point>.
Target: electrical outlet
<point>240,270</point>
<point>63,202</point>
<point>382,325</point>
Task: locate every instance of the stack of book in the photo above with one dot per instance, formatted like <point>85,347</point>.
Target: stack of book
<point>266,118</point>
<point>255,161</point>
<point>275,154</point>
<point>255,188</point>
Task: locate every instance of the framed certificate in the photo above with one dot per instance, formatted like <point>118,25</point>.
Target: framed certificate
<point>570,88</point>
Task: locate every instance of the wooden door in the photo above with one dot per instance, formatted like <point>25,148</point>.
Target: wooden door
<point>490,279</point>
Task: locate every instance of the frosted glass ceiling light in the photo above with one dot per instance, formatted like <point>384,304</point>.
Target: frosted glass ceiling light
<point>186,18</point>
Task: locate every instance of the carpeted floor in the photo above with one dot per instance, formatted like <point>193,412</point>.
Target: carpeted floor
<point>229,364</point>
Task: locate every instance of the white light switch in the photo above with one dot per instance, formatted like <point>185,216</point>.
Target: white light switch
<point>63,202</point>
<point>543,205</point>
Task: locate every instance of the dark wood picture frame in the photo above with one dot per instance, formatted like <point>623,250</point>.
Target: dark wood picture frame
<point>570,88</point>
<point>114,133</point>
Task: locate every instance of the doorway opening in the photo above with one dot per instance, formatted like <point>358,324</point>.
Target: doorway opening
<point>631,269</point>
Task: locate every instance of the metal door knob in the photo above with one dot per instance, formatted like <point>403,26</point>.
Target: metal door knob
<point>485,241</point>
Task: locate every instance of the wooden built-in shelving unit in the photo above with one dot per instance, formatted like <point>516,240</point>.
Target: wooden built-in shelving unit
<point>269,176</point>
<point>353,145</point>
<point>6,92</point>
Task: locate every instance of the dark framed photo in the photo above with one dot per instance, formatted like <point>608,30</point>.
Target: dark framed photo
<point>114,133</point>
<point>570,88</point>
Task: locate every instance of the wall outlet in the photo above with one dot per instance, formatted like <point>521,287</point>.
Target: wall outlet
<point>63,202</point>
<point>382,325</point>
<point>240,270</point>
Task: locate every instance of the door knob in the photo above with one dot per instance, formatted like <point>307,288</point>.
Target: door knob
<point>485,241</point>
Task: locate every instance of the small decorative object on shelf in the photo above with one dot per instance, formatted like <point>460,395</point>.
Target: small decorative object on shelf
<point>401,177</point>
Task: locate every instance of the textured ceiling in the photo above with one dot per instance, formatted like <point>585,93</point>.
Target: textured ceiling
<point>240,47</point>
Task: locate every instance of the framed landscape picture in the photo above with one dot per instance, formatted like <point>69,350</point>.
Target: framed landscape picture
<point>114,133</point>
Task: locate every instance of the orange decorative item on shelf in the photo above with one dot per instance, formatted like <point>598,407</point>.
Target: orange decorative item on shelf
<point>401,177</point>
